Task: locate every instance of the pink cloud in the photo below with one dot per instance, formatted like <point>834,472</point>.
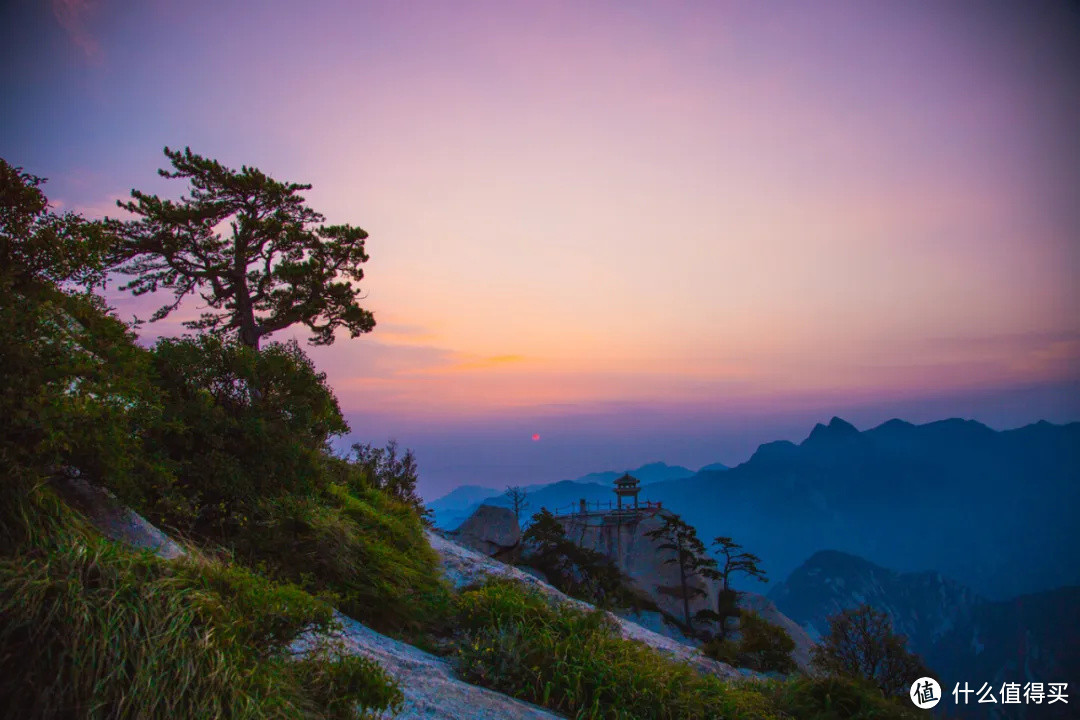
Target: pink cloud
<point>72,16</point>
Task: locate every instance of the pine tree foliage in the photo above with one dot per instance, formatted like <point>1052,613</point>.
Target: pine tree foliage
<point>688,553</point>
<point>251,248</point>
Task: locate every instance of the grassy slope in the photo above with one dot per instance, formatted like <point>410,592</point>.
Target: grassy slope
<point>95,630</point>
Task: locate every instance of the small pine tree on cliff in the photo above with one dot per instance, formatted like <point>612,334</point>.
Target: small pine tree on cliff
<point>733,560</point>
<point>688,553</point>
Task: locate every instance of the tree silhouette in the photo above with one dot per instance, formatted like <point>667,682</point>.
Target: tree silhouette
<point>690,557</point>
<point>545,535</point>
<point>39,247</point>
<point>578,571</point>
<point>251,248</point>
<point>733,561</point>
<point>519,502</point>
<point>394,474</point>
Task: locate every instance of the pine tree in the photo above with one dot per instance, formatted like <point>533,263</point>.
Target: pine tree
<point>734,561</point>
<point>251,248</point>
<point>690,557</point>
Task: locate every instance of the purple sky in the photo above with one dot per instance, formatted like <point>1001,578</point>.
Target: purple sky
<point>642,230</point>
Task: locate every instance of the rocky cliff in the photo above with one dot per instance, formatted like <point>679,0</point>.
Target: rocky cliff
<point>623,539</point>
<point>923,606</point>
<point>996,511</point>
<point>491,530</point>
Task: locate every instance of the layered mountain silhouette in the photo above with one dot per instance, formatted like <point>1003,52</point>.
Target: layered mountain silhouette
<point>923,606</point>
<point>997,511</point>
<point>962,637</point>
<point>452,509</point>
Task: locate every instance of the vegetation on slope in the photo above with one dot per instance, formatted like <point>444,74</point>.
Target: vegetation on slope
<point>761,646</point>
<point>576,663</point>
<point>577,571</point>
<point>95,630</point>
<point>244,435</point>
<point>210,438</point>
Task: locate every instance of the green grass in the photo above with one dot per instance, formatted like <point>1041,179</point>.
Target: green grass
<point>834,698</point>
<point>360,547</point>
<point>94,630</point>
<point>576,663</point>
<point>514,640</point>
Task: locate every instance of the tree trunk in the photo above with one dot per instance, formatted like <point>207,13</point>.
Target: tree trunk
<point>685,595</point>
<point>249,334</point>
<point>720,610</point>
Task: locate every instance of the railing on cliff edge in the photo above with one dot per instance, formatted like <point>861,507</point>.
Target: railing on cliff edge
<point>598,506</point>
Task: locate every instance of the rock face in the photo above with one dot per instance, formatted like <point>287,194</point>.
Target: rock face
<point>622,538</point>
<point>491,530</point>
<point>113,519</point>
<point>428,683</point>
<point>922,606</point>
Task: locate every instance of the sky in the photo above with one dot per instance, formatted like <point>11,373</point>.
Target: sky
<point>641,230</point>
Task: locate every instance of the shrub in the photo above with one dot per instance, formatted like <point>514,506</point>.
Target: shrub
<point>245,434</point>
<point>74,388</point>
<point>384,470</point>
<point>576,663</point>
<point>337,684</point>
<point>726,651</point>
<point>839,698</point>
<point>762,646</point>
<point>861,644</point>
<point>238,427</point>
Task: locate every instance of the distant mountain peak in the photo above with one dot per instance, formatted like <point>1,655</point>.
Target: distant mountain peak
<point>775,451</point>
<point>837,428</point>
<point>840,425</point>
<point>960,424</point>
<point>894,424</point>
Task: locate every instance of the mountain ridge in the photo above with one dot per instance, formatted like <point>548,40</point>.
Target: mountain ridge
<point>935,495</point>
<point>454,507</point>
<point>961,636</point>
<point>964,485</point>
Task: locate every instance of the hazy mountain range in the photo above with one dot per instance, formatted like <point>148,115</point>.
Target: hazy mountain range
<point>453,508</point>
<point>997,511</point>
<point>979,527</point>
<point>962,636</point>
